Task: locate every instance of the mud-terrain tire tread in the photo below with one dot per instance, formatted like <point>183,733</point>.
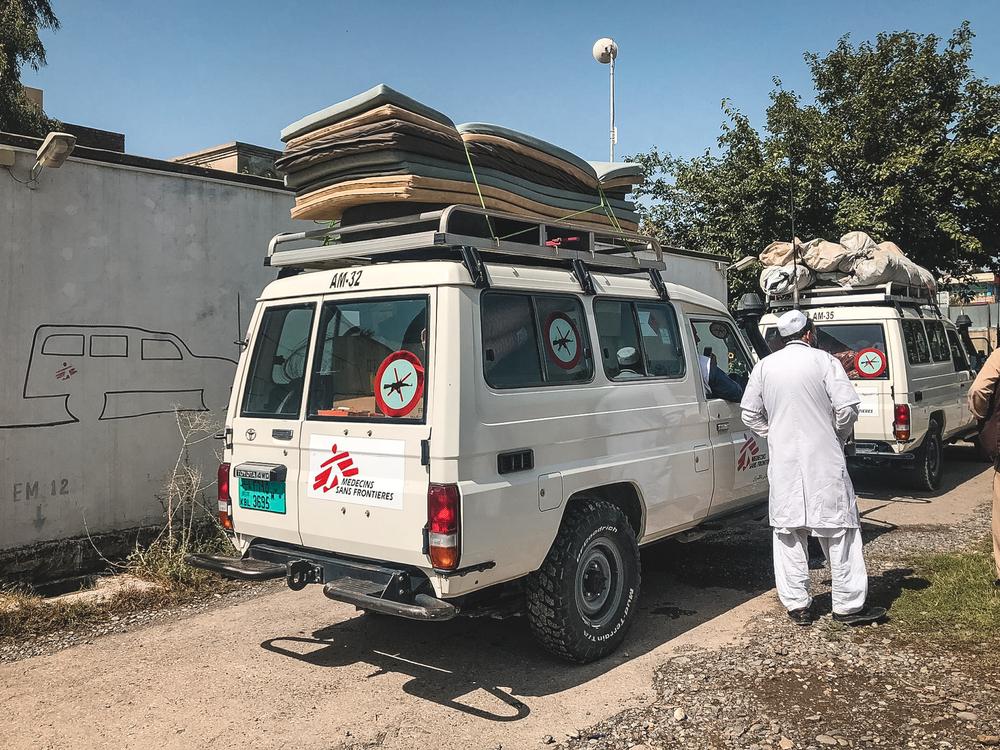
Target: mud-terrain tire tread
<point>549,612</point>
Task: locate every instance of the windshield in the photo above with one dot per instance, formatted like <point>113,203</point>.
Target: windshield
<point>370,361</point>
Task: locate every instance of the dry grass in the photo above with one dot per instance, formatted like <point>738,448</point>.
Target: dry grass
<point>189,526</point>
<point>960,602</point>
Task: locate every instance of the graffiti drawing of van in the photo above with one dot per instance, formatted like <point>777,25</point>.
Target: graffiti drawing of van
<point>117,372</point>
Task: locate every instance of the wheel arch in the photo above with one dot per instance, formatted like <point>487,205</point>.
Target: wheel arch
<point>624,495</point>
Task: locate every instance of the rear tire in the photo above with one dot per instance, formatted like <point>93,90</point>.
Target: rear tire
<point>583,599</point>
<point>930,460</point>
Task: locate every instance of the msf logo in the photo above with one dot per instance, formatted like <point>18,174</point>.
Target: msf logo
<point>340,464</point>
<point>748,453</point>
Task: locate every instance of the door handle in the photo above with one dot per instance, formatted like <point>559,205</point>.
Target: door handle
<point>281,434</point>
<point>722,427</point>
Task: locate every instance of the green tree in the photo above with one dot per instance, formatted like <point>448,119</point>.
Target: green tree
<point>20,21</point>
<point>900,140</point>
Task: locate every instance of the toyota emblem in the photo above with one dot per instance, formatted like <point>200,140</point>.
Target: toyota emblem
<point>251,434</point>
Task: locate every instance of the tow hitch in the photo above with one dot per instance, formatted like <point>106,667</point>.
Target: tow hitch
<point>300,573</point>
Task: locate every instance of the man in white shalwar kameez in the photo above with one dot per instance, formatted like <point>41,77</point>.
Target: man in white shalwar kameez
<point>801,400</point>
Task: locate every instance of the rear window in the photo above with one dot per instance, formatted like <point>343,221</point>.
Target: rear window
<point>918,351</point>
<point>370,361</point>
<point>857,347</point>
<point>277,369</point>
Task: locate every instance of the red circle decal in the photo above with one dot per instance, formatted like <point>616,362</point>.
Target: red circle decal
<point>562,341</point>
<point>870,363</point>
<point>399,384</point>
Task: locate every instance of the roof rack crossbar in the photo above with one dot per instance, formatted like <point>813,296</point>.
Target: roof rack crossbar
<point>891,293</point>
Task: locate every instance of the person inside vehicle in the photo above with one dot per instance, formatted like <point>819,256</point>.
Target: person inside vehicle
<point>717,383</point>
<point>628,362</point>
<point>802,402</point>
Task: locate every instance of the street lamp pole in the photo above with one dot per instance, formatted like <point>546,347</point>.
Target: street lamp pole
<point>605,51</point>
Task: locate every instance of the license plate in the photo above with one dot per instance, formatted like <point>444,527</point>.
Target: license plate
<point>261,494</point>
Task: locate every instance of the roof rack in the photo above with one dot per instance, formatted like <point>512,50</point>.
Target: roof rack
<point>892,293</point>
<point>473,234</point>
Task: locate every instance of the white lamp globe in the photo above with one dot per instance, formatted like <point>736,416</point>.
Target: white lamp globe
<point>605,50</point>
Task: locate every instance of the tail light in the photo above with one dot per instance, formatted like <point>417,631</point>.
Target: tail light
<point>442,525</point>
<point>225,501</point>
<point>901,425</point>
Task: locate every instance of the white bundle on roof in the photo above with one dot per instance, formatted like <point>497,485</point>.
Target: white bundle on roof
<point>780,280</point>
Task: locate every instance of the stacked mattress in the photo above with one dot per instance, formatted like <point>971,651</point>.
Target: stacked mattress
<point>384,147</point>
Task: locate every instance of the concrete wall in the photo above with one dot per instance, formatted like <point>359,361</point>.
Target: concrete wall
<point>144,267</point>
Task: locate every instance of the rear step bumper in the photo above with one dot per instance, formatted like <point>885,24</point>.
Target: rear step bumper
<point>366,585</point>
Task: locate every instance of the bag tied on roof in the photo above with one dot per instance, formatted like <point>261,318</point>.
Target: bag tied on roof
<point>823,256</point>
<point>780,280</point>
<point>858,244</point>
<point>779,253</point>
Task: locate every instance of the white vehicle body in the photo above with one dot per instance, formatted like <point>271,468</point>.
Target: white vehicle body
<point>524,443</point>
<point>919,368</point>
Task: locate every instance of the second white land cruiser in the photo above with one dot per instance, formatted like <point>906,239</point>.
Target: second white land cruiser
<point>430,419</point>
<point>909,366</point>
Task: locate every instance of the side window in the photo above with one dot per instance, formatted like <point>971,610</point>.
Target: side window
<point>939,341</point>
<point>510,344</point>
<point>102,345</point>
<point>918,351</point>
<point>618,336</point>
<point>661,340</point>
<point>717,340</point>
<point>532,340</point>
<point>277,367</point>
<point>160,349</point>
<point>958,356</point>
<point>64,344</point>
<point>565,345</point>
<point>639,339</point>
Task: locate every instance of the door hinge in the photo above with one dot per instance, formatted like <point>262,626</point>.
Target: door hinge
<point>425,452</point>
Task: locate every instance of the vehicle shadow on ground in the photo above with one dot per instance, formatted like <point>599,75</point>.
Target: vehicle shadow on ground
<point>892,484</point>
<point>478,665</point>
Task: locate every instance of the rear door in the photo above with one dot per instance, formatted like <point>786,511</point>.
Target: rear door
<point>740,457</point>
<point>362,484</point>
<point>862,350</point>
<point>268,422</point>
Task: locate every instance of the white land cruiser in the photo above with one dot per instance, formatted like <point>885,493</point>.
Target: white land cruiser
<point>480,418</point>
<point>909,366</point>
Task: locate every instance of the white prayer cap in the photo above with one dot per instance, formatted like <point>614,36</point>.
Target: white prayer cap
<point>628,356</point>
<point>791,322</point>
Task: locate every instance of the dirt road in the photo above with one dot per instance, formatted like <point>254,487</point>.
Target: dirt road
<point>294,670</point>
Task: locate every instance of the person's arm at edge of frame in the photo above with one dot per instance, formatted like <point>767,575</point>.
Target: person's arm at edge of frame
<point>981,392</point>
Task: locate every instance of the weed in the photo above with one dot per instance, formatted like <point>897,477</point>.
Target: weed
<point>190,523</point>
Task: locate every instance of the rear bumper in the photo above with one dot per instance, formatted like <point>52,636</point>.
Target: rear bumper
<point>875,452</point>
<point>391,591</point>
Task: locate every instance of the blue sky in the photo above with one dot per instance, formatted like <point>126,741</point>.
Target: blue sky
<point>182,75</point>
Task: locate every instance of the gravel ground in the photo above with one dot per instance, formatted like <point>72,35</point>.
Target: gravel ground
<point>789,687</point>
<point>25,647</point>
